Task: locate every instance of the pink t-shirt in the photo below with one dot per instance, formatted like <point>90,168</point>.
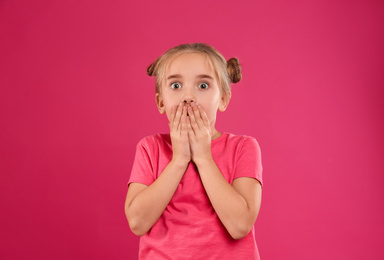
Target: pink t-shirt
<point>189,228</point>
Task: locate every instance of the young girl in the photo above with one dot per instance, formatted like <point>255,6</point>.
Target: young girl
<point>195,193</point>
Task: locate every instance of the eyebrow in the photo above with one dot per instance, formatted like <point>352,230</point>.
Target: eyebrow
<point>205,76</point>
<point>177,76</point>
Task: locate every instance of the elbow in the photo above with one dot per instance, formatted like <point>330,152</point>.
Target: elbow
<point>240,231</point>
<point>242,227</point>
<point>135,224</point>
<point>136,229</point>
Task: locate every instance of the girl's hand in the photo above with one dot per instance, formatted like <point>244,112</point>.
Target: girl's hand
<point>179,134</point>
<point>199,132</point>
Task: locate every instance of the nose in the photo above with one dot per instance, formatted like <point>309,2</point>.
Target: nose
<point>188,97</point>
<point>188,101</point>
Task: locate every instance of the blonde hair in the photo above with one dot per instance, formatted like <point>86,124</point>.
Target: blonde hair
<point>227,72</point>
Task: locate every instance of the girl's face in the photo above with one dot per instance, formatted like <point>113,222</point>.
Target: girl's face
<point>190,78</point>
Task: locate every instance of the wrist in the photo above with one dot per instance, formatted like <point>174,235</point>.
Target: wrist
<point>180,162</point>
<point>204,160</point>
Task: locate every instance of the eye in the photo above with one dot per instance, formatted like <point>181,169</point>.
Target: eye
<point>203,85</point>
<point>175,85</point>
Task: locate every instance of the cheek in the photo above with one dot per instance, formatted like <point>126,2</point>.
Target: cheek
<point>211,111</point>
<point>170,101</point>
<point>168,108</point>
<point>168,112</point>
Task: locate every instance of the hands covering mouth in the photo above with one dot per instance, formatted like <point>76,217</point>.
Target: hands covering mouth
<point>187,104</point>
<point>190,132</point>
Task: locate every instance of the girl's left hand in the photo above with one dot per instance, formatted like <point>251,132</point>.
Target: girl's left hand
<point>199,133</point>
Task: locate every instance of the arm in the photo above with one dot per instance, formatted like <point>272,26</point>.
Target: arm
<point>236,205</point>
<point>145,204</point>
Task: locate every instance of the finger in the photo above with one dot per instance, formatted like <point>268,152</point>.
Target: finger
<point>184,119</point>
<point>172,117</point>
<point>173,113</point>
<point>192,118</point>
<point>204,117</point>
<point>205,120</point>
<point>191,132</point>
<point>177,120</point>
<point>196,111</point>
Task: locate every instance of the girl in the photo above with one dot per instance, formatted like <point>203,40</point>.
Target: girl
<point>195,193</point>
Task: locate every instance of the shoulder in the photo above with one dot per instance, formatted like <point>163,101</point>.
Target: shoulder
<point>248,159</point>
<point>241,141</point>
<point>155,144</point>
<point>156,139</point>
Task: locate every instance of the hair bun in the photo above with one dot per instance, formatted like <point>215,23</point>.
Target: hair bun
<point>234,70</point>
<point>151,70</point>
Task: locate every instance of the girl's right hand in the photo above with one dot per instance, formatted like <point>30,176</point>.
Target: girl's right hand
<point>179,134</point>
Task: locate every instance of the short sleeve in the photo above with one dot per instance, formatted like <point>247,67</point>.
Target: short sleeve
<point>142,170</point>
<point>248,162</point>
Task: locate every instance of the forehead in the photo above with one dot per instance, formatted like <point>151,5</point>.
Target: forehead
<point>189,64</point>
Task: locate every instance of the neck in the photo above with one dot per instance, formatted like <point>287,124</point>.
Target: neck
<point>215,134</point>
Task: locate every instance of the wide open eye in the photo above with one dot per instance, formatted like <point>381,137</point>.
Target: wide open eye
<point>203,85</point>
<point>175,85</point>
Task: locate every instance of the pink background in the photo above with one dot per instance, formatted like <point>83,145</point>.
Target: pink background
<point>75,99</point>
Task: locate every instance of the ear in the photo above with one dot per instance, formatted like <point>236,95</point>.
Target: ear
<point>160,103</point>
<point>224,102</point>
